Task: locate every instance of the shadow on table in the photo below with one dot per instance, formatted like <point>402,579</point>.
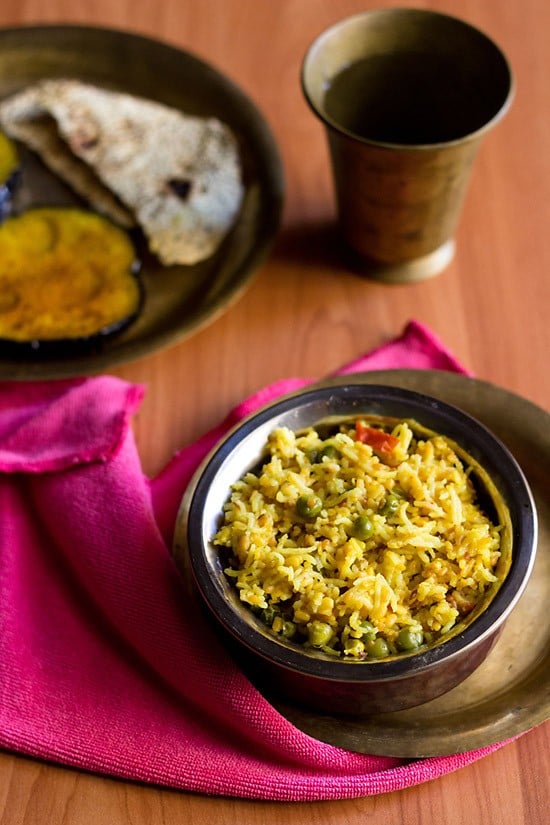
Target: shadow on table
<point>311,245</point>
<point>320,246</point>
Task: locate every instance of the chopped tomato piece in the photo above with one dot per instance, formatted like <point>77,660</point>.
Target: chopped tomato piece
<point>377,439</point>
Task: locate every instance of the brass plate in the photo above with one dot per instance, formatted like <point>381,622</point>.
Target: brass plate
<point>179,300</point>
<point>510,692</point>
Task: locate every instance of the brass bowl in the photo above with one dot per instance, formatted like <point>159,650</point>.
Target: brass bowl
<point>311,679</point>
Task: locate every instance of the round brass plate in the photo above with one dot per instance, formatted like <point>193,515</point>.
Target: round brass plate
<point>510,691</point>
<point>179,300</point>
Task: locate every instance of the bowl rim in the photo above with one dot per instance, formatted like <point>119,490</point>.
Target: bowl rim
<point>291,656</point>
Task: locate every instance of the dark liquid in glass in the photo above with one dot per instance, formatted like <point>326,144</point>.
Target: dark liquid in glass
<point>407,98</point>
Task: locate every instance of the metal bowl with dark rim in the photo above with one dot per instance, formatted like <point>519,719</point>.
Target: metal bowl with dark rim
<point>309,678</point>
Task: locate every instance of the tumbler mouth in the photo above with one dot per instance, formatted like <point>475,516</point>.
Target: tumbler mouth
<point>409,50</point>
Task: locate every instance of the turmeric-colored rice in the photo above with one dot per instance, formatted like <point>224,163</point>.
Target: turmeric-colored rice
<point>361,550</point>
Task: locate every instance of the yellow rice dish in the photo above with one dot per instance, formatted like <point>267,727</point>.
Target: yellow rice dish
<point>364,539</point>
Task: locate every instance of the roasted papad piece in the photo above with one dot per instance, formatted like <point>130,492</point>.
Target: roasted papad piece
<point>177,176</point>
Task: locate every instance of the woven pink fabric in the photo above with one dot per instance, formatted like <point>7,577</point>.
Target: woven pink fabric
<point>103,664</point>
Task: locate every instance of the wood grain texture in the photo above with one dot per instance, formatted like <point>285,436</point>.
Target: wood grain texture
<point>305,314</point>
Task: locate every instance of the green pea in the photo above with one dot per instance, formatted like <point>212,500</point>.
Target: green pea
<point>309,506</point>
<point>319,633</point>
<point>377,648</point>
<point>288,630</point>
<point>391,505</point>
<point>354,647</point>
<point>362,528</point>
<point>409,638</point>
<point>368,629</point>
<point>267,614</point>
<point>328,451</point>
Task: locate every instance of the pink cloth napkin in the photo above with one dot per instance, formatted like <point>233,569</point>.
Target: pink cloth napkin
<point>103,665</point>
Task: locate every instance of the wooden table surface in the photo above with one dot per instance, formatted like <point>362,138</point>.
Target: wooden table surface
<point>305,314</point>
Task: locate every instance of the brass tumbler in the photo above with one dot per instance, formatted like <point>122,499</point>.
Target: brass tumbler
<point>406,96</point>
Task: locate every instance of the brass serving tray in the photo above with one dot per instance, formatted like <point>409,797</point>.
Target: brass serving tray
<point>179,300</point>
<point>510,691</point>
